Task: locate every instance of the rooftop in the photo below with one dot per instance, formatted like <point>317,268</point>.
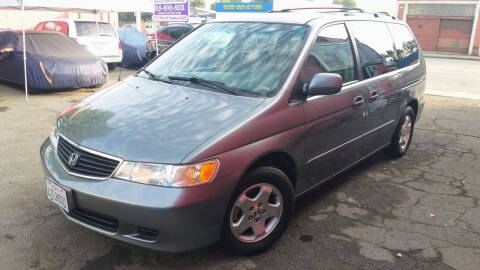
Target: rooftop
<point>305,15</point>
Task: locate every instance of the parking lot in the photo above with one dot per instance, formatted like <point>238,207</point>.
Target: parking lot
<point>418,212</point>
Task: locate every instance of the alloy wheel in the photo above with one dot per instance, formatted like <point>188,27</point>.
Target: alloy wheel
<point>405,133</point>
<point>256,212</point>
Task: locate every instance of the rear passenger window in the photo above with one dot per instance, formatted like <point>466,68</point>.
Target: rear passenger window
<point>331,53</point>
<point>106,30</point>
<point>375,47</point>
<point>405,45</point>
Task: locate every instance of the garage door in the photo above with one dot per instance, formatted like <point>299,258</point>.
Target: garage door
<point>426,31</point>
<point>454,35</point>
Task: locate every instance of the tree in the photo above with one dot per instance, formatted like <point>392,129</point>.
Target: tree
<point>346,3</point>
<point>197,3</point>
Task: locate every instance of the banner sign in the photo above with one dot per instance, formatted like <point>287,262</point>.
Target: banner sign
<point>244,7</point>
<point>171,11</point>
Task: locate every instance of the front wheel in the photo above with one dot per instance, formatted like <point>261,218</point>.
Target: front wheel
<point>259,211</point>
<point>403,134</point>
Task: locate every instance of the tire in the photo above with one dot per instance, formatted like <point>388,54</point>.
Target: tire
<point>398,148</point>
<point>112,66</point>
<point>263,179</point>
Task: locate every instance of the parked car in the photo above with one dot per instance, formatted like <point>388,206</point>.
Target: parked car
<point>216,138</point>
<point>54,61</point>
<point>98,37</point>
<point>134,47</point>
<point>166,36</point>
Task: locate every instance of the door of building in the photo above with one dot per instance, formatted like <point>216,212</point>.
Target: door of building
<point>454,35</point>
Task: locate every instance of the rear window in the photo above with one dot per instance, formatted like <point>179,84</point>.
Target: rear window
<point>86,29</point>
<point>405,44</point>
<point>61,27</point>
<point>178,32</point>
<point>375,47</point>
<point>106,30</point>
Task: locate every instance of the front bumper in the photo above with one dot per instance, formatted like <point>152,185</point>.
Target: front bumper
<point>161,218</point>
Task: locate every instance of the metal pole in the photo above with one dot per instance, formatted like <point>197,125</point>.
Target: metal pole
<point>24,52</point>
<point>155,33</point>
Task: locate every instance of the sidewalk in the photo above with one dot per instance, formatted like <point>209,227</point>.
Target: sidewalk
<point>444,55</point>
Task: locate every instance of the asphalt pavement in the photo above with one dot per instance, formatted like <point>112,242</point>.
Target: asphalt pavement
<point>418,212</point>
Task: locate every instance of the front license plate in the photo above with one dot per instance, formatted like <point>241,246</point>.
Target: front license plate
<point>57,194</point>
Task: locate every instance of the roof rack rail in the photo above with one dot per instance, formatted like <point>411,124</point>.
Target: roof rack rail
<point>320,8</point>
<point>384,13</point>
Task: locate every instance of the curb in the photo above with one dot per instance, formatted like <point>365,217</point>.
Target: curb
<point>453,57</point>
<point>454,94</point>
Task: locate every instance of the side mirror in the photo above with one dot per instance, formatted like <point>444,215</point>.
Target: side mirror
<point>324,84</point>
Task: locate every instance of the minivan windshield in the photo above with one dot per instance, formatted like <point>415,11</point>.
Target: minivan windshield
<point>244,58</point>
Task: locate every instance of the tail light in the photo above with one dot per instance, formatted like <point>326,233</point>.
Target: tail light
<point>119,45</point>
<point>161,35</point>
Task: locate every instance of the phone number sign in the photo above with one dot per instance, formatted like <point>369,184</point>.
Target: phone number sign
<point>244,7</point>
<point>171,11</point>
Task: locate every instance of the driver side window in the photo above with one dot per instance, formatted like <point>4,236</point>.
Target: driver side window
<point>331,53</point>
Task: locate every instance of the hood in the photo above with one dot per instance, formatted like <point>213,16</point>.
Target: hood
<point>149,121</point>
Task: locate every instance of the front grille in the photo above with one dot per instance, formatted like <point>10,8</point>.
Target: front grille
<point>87,164</point>
<point>94,219</point>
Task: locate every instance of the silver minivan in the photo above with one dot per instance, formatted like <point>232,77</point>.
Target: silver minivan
<point>216,138</point>
<point>100,38</point>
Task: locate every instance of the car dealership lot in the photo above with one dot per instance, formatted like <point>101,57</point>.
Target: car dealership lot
<point>421,211</point>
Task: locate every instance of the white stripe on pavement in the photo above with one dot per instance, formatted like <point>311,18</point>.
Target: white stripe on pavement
<point>456,94</point>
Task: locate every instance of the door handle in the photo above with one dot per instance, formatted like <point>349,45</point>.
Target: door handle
<point>374,95</point>
<point>358,101</point>
<point>396,76</point>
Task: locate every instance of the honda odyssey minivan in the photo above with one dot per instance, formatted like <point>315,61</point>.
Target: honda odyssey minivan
<point>216,138</point>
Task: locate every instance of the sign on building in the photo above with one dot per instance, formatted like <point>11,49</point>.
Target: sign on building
<point>244,7</point>
<point>171,11</point>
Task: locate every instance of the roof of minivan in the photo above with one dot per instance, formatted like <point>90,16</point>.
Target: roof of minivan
<point>305,16</point>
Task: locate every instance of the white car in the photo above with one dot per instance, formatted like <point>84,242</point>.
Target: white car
<point>98,37</point>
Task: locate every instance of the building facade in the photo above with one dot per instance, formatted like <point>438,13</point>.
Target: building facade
<point>444,26</point>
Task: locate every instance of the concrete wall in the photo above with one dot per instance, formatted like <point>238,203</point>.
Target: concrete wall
<point>13,18</point>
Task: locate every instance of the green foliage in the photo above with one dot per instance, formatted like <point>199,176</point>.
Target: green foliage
<point>346,3</point>
<point>197,3</point>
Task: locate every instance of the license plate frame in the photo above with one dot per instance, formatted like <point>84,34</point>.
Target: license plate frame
<point>59,195</point>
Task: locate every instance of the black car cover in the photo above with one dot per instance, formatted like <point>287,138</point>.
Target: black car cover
<point>54,61</point>
<point>134,46</point>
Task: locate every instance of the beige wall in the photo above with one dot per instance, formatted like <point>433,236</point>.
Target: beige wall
<point>13,19</point>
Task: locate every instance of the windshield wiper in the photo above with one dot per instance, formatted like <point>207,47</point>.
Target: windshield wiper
<point>212,84</point>
<point>154,77</point>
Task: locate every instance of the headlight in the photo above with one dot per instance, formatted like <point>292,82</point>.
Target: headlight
<point>168,175</point>
<point>54,136</point>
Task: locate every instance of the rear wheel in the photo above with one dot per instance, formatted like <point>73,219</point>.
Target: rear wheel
<point>259,211</point>
<point>112,66</point>
<point>403,134</point>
